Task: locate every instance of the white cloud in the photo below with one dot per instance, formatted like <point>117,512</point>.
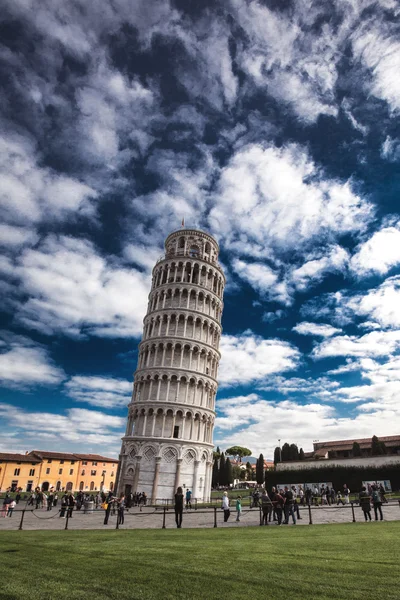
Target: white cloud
<point>380,304</point>
<point>263,279</point>
<point>73,289</point>
<point>16,236</point>
<point>391,149</point>
<point>276,198</point>
<point>313,270</point>
<point>249,358</point>
<point>258,423</point>
<point>30,193</point>
<point>322,329</point>
<point>78,430</point>
<point>375,343</point>
<point>381,54</point>
<point>105,392</point>
<point>379,253</point>
<point>24,363</point>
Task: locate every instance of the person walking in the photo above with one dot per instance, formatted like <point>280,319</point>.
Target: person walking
<point>70,504</point>
<point>377,502</point>
<point>50,501</point>
<point>6,505</point>
<point>18,497</point>
<point>278,503</point>
<point>339,498</point>
<point>11,507</point>
<point>238,507</point>
<point>225,507</point>
<point>266,507</point>
<point>188,499</point>
<point>107,507</point>
<point>288,496</point>
<point>295,503</point>
<point>346,494</point>
<point>121,510</point>
<point>64,506</point>
<point>178,507</point>
<point>365,503</point>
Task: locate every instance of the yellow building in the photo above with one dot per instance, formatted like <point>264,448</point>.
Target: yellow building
<point>58,470</point>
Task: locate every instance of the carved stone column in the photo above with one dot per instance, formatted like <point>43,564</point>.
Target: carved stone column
<point>178,473</point>
<point>155,481</point>
<point>136,476</point>
<point>195,475</point>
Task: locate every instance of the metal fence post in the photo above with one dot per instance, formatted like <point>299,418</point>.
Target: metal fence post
<point>117,525</point>
<point>261,519</point>
<point>215,516</point>
<point>352,510</point>
<point>22,520</point>
<point>163,522</point>
<point>309,512</point>
<point>66,520</point>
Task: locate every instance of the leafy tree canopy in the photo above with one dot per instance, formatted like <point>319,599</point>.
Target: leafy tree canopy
<point>238,451</point>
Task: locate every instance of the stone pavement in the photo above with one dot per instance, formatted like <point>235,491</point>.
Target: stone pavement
<point>150,518</point>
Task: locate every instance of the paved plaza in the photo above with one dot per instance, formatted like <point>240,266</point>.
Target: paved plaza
<point>150,518</point>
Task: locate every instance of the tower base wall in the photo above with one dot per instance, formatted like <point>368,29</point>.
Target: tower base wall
<point>159,467</point>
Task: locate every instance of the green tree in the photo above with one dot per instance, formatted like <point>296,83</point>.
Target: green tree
<point>260,470</point>
<point>215,474</point>
<point>238,452</point>
<point>249,471</point>
<point>356,449</point>
<point>277,455</point>
<point>228,472</point>
<point>301,454</point>
<point>222,470</point>
<point>294,452</point>
<point>237,471</point>
<point>286,453</point>
<point>377,447</point>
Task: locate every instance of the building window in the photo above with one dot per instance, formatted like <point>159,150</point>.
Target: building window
<point>29,486</point>
<point>47,471</point>
<point>112,473</point>
<point>61,462</point>
<point>83,472</point>
<point>49,460</point>
<point>14,485</point>
<point>91,486</point>
<point>84,462</point>
<point>176,431</point>
<point>93,472</point>
<point>104,464</point>
<point>60,471</point>
<point>94,464</point>
<point>71,471</point>
<point>72,462</point>
<point>31,472</point>
<point>16,472</point>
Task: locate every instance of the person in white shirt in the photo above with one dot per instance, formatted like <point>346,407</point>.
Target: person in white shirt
<point>225,506</point>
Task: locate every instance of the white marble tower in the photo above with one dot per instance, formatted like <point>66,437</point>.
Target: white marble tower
<point>169,435</point>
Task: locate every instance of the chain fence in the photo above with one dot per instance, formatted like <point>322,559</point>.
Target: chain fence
<point>153,517</point>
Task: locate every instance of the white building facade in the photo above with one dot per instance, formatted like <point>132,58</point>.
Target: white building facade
<point>169,435</point>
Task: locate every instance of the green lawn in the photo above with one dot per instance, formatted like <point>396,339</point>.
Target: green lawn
<point>354,561</point>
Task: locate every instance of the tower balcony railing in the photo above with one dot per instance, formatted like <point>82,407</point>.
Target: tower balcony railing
<point>188,254</point>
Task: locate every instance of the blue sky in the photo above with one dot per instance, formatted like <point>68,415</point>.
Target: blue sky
<point>272,125</point>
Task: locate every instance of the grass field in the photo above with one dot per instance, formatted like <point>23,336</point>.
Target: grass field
<point>353,561</point>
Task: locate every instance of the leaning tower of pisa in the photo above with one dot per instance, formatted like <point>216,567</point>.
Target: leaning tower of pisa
<point>169,435</point>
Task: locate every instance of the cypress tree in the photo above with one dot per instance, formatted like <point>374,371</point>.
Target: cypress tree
<point>228,472</point>
<point>301,454</point>
<point>222,470</point>
<point>277,455</point>
<point>260,470</point>
<point>215,474</point>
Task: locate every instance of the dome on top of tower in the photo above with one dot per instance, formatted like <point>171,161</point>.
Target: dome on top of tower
<point>192,242</point>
